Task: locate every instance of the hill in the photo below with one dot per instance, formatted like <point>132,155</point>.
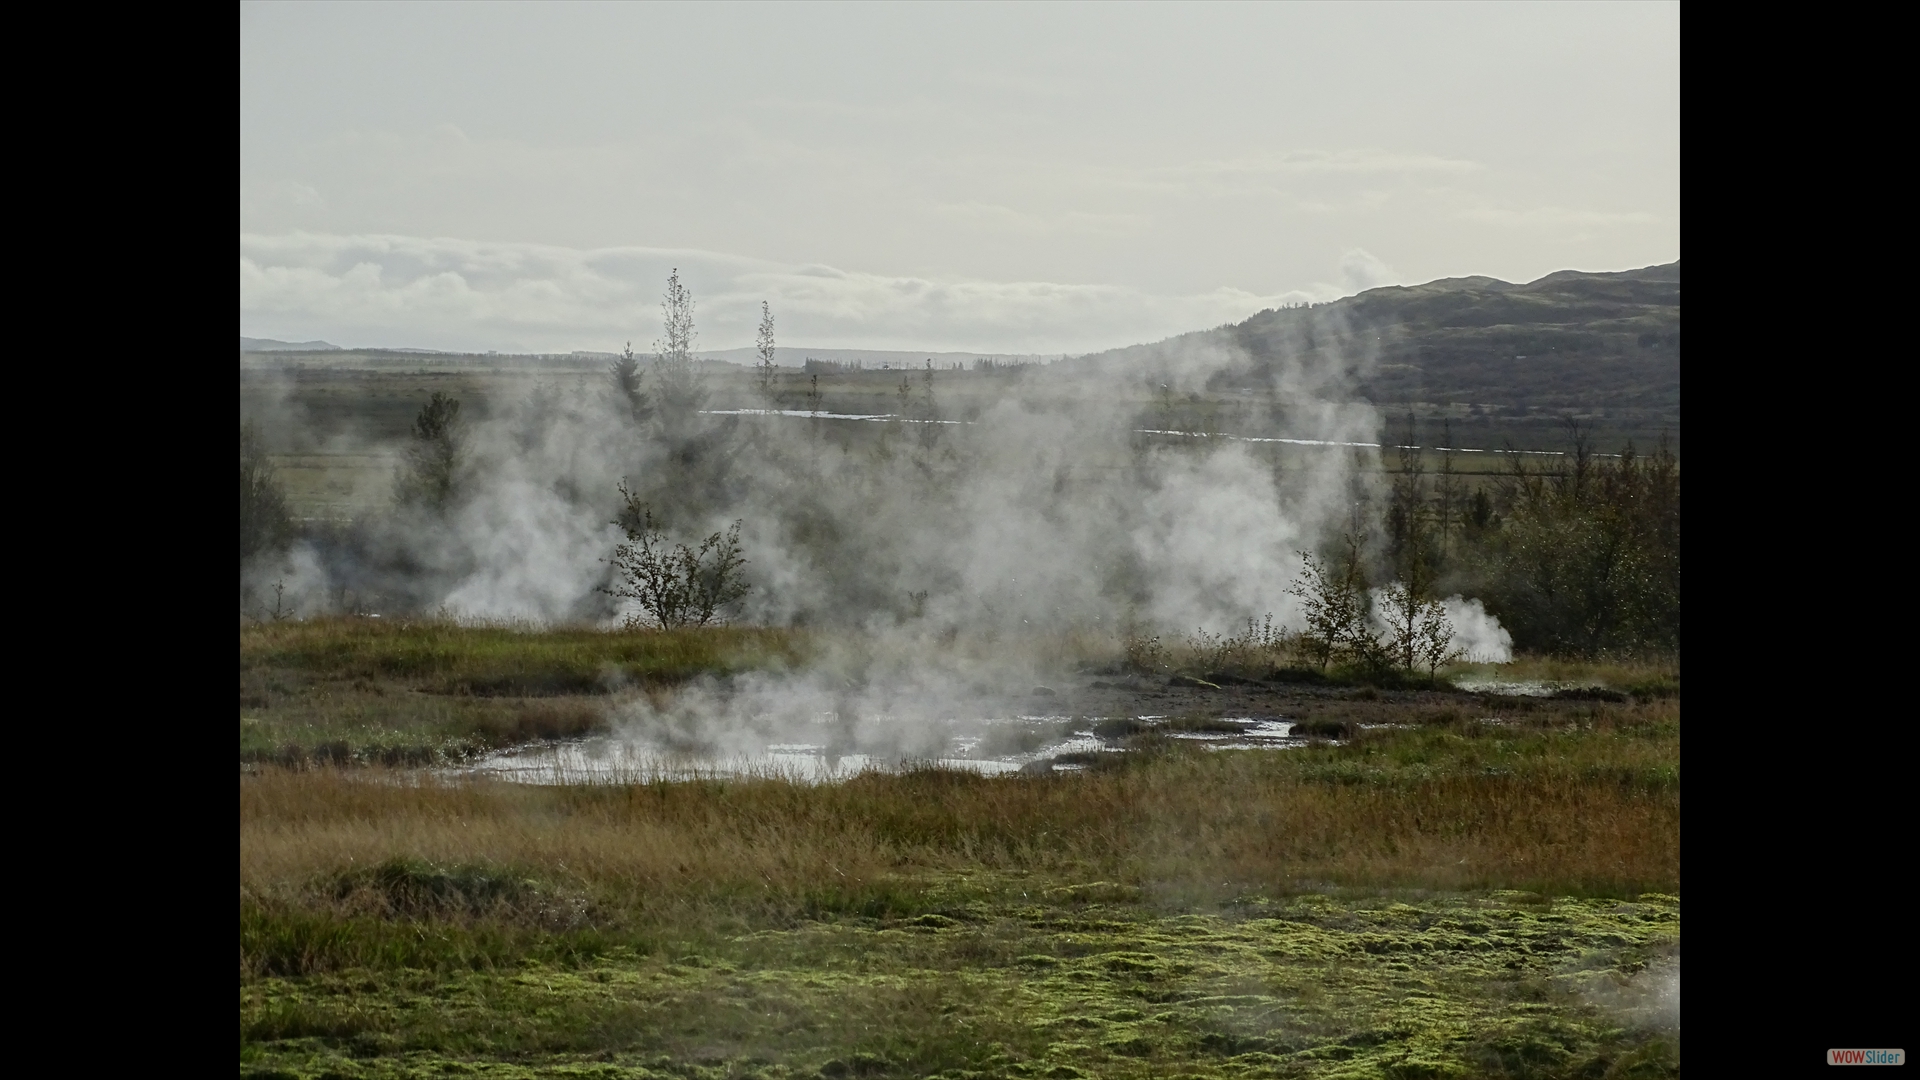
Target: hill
<point>1595,344</point>
<point>259,344</point>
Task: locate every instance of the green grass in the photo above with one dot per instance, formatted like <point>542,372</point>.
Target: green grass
<point>498,659</point>
<point>415,691</point>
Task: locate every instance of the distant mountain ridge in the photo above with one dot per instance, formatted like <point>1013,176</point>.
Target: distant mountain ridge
<point>256,344</point>
<point>1572,340</point>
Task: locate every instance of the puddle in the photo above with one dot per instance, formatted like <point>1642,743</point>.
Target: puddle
<point>1256,733</point>
<point>609,760</point>
<point>1260,733</point>
<point>1519,687</point>
<point>1027,745</point>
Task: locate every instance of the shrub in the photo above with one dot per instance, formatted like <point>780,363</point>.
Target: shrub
<point>1337,607</point>
<point>675,585</point>
<point>264,522</point>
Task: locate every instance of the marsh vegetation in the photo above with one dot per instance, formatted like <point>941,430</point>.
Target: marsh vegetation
<point>1464,895</point>
<point>1435,880</point>
<point>1456,855</point>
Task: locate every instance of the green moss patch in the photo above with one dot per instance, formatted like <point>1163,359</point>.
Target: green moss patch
<point>1314,985</point>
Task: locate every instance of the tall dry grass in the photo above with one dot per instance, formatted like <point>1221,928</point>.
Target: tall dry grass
<point>1461,807</point>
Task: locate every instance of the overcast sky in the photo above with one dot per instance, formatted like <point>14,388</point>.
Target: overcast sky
<point>1034,178</point>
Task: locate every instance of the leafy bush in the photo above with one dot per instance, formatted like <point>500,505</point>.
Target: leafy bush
<point>1337,607</point>
<point>675,585</point>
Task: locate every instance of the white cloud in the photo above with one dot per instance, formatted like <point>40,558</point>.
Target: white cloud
<point>462,294</point>
<point>1362,270</point>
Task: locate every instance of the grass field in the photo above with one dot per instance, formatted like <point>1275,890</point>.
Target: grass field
<point>354,690</point>
<point>1488,889</point>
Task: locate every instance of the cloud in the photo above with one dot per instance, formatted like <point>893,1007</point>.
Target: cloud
<point>1362,270</point>
<point>370,290</point>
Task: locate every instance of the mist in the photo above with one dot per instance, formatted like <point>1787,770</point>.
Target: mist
<point>954,553</point>
<point>1043,510</point>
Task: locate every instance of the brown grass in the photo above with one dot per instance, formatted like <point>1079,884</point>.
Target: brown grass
<point>1460,807</point>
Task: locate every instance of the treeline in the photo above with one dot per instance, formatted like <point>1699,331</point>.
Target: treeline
<point>1577,556</point>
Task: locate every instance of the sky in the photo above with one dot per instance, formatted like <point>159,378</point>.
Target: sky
<point>1010,178</point>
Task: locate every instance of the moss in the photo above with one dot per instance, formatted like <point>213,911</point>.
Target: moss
<point>1306,986</point>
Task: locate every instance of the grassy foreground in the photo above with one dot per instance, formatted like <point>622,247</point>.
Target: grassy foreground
<point>1470,895</point>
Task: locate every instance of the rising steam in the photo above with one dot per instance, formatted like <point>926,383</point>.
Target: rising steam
<point>1040,511</point>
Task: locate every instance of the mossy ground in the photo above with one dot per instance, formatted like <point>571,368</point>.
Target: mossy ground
<point>1097,980</point>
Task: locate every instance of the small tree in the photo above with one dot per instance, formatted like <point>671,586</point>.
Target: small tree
<point>1434,646</point>
<point>1419,634</point>
<point>626,374</point>
<point>678,391</point>
<point>930,427</point>
<point>431,475</point>
<point>1408,608</point>
<point>1335,597</point>
<point>764,345</point>
<point>1400,608</point>
<point>648,573</point>
<point>714,575</point>
<point>675,585</point>
<point>264,522</point>
<point>1407,519</point>
<point>1447,491</point>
